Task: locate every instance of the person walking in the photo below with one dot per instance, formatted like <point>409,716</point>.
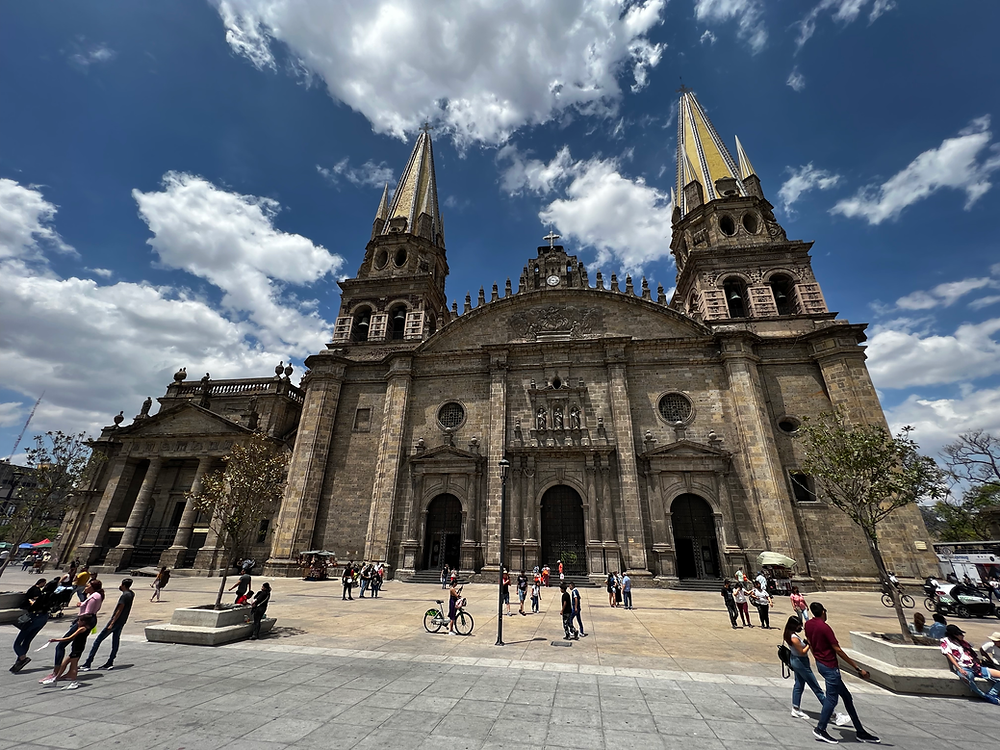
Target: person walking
<point>258,608</point>
<point>161,580</point>
<point>536,594</point>
<point>505,590</point>
<point>348,581</point>
<point>567,615</point>
<point>762,601</point>
<point>574,596</point>
<point>80,581</point>
<point>798,662</point>
<point>444,577</point>
<point>826,650</point>
<point>114,628</point>
<point>39,599</point>
<point>627,591</point>
<point>77,638</point>
<point>242,587</point>
<point>799,604</point>
<point>522,591</point>
<point>727,597</point>
<point>740,597</point>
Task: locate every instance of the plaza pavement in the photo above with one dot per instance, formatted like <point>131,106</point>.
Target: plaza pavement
<point>365,674</point>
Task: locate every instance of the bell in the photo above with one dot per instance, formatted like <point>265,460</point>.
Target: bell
<point>399,315</point>
<point>734,295</point>
<point>363,323</point>
<point>780,296</point>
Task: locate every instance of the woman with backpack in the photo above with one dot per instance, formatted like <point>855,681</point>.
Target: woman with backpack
<point>798,662</point>
<point>161,580</point>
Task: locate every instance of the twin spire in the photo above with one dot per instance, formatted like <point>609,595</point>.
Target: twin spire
<point>702,156</point>
<point>414,206</point>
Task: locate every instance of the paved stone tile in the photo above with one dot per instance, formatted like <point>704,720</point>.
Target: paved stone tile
<point>628,721</point>
<point>683,726</point>
<point>458,725</point>
<point>283,729</point>
<point>73,735</point>
<point>519,732</point>
<point>338,737</point>
<point>585,738</point>
<point>574,717</point>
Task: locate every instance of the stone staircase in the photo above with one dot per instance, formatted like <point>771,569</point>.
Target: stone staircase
<point>699,584</point>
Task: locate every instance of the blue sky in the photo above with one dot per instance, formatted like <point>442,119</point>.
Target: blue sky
<point>181,184</point>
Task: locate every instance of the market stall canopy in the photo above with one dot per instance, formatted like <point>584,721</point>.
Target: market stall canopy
<point>774,558</point>
<point>5,545</point>
<point>43,543</point>
<point>320,552</point>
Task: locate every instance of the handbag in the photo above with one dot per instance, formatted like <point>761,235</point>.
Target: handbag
<point>785,656</point>
<point>23,621</point>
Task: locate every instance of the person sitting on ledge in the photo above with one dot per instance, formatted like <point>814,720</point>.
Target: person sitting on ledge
<point>964,662</point>
<point>917,627</point>
<point>937,630</point>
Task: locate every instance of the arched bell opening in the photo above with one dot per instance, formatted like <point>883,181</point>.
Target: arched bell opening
<point>362,324</point>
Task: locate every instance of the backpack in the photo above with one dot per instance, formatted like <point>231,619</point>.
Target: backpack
<point>785,657</point>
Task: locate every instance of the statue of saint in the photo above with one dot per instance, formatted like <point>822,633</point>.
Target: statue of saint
<point>557,418</point>
<point>146,405</point>
<point>574,418</point>
<point>540,418</point>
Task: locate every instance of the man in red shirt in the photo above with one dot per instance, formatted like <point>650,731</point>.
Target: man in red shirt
<point>826,650</point>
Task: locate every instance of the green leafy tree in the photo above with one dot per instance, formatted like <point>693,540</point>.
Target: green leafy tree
<point>57,463</point>
<point>868,473</point>
<point>965,521</point>
<point>243,493</point>
<point>972,462</point>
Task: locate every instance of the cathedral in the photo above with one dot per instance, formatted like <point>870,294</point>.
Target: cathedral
<point>618,429</point>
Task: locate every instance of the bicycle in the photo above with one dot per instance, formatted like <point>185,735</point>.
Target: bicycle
<point>905,599</point>
<point>435,619</point>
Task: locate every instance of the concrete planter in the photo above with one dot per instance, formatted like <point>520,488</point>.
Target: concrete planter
<point>11,605</point>
<point>207,626</point>
<point>905,668</point>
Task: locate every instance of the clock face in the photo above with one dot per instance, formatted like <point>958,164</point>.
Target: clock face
<point>552,280</point>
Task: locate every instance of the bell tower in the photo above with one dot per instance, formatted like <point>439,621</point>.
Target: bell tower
<point>734,260</point>
<point>398,295</point>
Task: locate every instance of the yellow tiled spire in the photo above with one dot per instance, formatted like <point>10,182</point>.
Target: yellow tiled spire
<point>701,154</point>
<point>383,205</point>
<point>746,168</point>
<point>416,193</point>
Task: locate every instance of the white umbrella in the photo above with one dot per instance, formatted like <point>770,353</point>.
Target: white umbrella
<point>774,558</point>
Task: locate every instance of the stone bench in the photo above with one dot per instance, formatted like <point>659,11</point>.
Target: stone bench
<point>207,626</point>
<point>905,668</point>
<point>12,605</point>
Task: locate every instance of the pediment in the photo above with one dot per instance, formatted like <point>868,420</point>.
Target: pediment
<point>687,449</point>
<point>445,454</point>
<point>180,421</point>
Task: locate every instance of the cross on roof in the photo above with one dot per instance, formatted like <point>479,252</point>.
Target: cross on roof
<point>551,237</point>
<point>426,127</point>
<point>684,89</point>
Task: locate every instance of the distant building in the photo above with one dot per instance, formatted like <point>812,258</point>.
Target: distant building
<point>645,434</point>
<point>14,480</point>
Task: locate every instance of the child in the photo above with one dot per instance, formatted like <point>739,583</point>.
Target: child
<point>78,643</point>
<point>536,594</point>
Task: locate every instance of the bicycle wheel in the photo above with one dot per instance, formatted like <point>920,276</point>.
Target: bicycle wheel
<point>432,623</point>
<point>886,600</point>
<point>464,623</point>
<point>930,604</point>
<point>907,601</point>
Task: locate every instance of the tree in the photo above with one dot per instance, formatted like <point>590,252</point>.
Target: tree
<point>868,473</point>
<point>57,464</point>
<point>243,493</point>
<point>964,520</point>
<point>972,462</point>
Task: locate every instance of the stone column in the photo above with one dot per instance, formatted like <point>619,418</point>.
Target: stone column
<point>621,415</point>
<point>173,556</point>
<point>307,468</point>
<point>530,501</point>
<point>496,451</point>
<point>121,555</point>
<point>389,459</point>
<point>118,481</point>
<point>765,476</point>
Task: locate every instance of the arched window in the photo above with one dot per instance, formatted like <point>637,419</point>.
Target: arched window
<point>736,297</point>
<point>784,294</point>
<point>397,319</point>
<point>362,323</point>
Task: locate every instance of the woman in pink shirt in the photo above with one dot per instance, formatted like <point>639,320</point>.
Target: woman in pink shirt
<point>799,604</point>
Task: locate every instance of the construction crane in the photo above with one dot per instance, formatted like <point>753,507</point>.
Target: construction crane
<point>25,428</point>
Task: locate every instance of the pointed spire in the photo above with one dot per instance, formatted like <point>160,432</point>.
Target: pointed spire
<point>701,154</point>
<point>416,195</point>
<point>746,168</point>
<point>382,215</point>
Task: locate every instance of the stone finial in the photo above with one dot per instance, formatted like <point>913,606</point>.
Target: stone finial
<point>614,283</point>
<point>645,289</point>
<point>517,429</point>
<point>713,439</point>
<point>496,294</point>
<point>584,277</point>
<point>599,283</point>
<point>180,375</point>
<point>119,418</point>
<point>421,445</point>
<point>449,437</point>
<point>507,290</point>
<point>679,432</point>
<point>280,368</point>
<point>660,296</point>
<point>288,370</point>
<point>649,440</point>
<point>532,384</point>
<point>482,297</point>
<point>468,303</point>
<point>454,308</point>
<point>629,289</point>
<point>474,444</point>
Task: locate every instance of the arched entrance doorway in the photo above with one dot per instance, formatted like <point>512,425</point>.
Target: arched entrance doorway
<point>562,530</point>
<point>694,537</point>
<point>443,538</point>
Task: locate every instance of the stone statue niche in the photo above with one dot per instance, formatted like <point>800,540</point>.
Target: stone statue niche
<point>574,418</point>
<point>541,419</point>
<point>557,418</point>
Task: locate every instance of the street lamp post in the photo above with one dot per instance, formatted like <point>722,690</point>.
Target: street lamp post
<point>504,468</point>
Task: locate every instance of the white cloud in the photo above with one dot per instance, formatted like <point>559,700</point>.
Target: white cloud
<point>843,11</point>
<point>11,413</point>
<point>979,304</point>
<point>796,80</point>
<point>708,37</point>
<point>623,218</point>
<point>749,15</point>
<point>26,229</point>
<point>97,349</point>
<point>230,240</point>
<point>802,180</point>
<point>368,174</point>
<point>945,295</point>
<point>97,54</point>
<point>899,357</point>
<point>104,273</point>
<point>954,164</point>
<point>938,422</point>
<point>492,67</point>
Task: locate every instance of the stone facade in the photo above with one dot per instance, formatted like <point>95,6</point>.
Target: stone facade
<point>643,434</point>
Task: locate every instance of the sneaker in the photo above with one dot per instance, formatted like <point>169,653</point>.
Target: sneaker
<point>798,714</point>
<point>567,637</point>
<point>842,720</point>
<point>20,664</point>
<point>72,686</point>
<point>84,668</point>
<point>109,666</point>
<point>867,737</point>
<point>584,635</point>
<point>824,736</point>
<point>50,680</point>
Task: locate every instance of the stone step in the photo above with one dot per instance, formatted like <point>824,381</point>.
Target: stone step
<point>918,681</point>
<point>699,584</point>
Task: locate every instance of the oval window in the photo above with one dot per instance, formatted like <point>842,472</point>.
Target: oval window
<point>451,415</point>
<point>750,222</point>
<point>727,225</point>
<point>400,258</point>
<point>675,407</point>
<point>382,259</point>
